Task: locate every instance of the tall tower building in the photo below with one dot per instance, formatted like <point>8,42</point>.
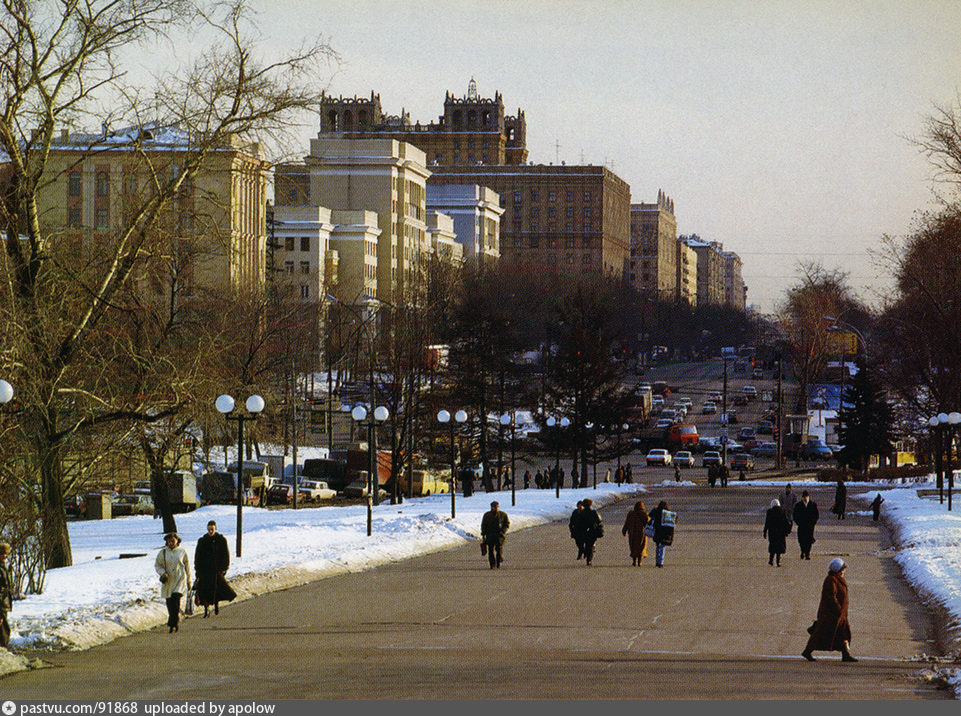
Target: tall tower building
<point>654,253</point>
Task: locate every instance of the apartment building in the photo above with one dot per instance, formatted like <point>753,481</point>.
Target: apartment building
<point>654,267</point>
<point>686,273</point>
<point>211,238</point>
<point>735,292</point>
<point>443,238</point>
<point>476,214</point>
<point>354,240</point>
<point>570,219</point>
<point>301,237</point>
<point>710,270</point>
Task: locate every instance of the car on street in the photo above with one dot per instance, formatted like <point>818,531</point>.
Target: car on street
<point>742,461</point>
<point>358,488</point>
<point>715,397</point>
<point>683,458</point>
<point>816,449</point>
<point>282,494</point>
<point>314,491</point>
<point>757,374</point>
<point>747,433</point>
<point>765,449</point>
<point>708,408</point>
<point>765,427</point>
<point>658,456</point>
<point>664,423</point>
<point>710,458</point>
<point>75,505</point>
<point>133,504</point>
<point>750,391</point>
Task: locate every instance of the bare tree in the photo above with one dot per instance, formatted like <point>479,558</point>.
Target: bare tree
<point>59,63</point>
<point>941,142</point>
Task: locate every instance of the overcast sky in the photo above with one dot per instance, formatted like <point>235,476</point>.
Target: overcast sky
<point>778,128</point>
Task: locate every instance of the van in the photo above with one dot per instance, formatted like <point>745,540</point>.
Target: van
<point>682,434</point>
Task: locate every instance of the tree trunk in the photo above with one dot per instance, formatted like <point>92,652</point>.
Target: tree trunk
<point>56,539</point>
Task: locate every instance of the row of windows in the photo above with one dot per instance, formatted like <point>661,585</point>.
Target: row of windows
<point>551,226</point>
<point>290,243</point>
<point>551,242</point>
<point>551,195</point>
<point>552,212</point>
<point>102,183</point>
<point>304,267</point>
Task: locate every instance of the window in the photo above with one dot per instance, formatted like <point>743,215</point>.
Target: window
<point>570,196</point>
<point>551,242</point>
<point>586,258</point>
<point>130,184</point>
<point>534,242</point>
<point>552,196</point>
<point>305,243</point>
<point>587,227</point>
<point>586,242</point>
<point>73,218</point>
<point>587,196</point>
<point>517,197</point>
<point>103,184</point>
<point>551,211</point>
<point>587,212</point>
<point>570,212</point>
<point>533,194</point>
<point>534,212</point>
<point>569,242</point>
<point>101,220</point>
<point>517,241</point>
<point>304,290</point>
<point>289,267</point>
<point>289,243</point>
<point>74,184</point>
<point>305,266</point>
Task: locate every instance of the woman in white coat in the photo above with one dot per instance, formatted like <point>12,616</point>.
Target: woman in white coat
<point>173,566</point>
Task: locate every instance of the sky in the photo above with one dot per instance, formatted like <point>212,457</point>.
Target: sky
<point>778,128</point>
<point>94,602</point>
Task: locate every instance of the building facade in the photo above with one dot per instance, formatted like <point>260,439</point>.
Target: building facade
<point>476,213</point>
<point>570,219</point>
<point>735,292</point>
<point>686,273</point>
<point>443,238</point>
<point>710,270</point>
<point>654,253</point>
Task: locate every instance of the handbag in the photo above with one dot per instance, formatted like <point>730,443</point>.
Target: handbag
<point>483,548</point>
<point>649,530</point>
<point>189,603</point>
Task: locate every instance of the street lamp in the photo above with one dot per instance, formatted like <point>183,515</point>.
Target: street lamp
<point>6,392</point>
<point>508,419</point>
<point>590,426</point>
<point>379,414</point>
<point>225,404</point>
<point>551,422</point>
<point>935,426</point>
<point>954,418</point>
<point>444,418</point>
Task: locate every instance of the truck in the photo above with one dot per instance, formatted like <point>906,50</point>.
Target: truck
<point>333,471</point>
<point>220,488</point>
<point>358,459</point>
<point>181,489</point>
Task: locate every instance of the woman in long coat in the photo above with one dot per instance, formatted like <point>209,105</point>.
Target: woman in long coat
<point>173,566</point>
<point>776,529</point>
<point>634,525</point>
<point>211,560</point>
<point>831,631</point>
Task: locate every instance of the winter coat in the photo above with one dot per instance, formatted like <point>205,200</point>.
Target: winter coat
<point>776,529</point>
<point>832,628</point>
<point>840,499</point>
<point>494,526</point>
<point>805,517</point>
<point>587,525</point>
<point>6,589</point>
<point>634,529</point>
<point>176,565</point>
<point>663,534</point>
<point>211,560</point>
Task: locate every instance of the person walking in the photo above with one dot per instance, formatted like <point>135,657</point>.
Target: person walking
<point>572,525</point>
<point>831,631</point>
<point>628,476</point>
<point>788,500</point>
<point>607,475</point>
<point>173,567</point>
<point>527,479</point>
<point>588,527</point>
<point>663,520</point>
<point>6,594</point>
<point>876,507</point>
<point>634,525</point>
<point>805,517</point>
<point>494,526</point>
<point>840,499</point>
<point>776,529</point>
<point>677,472</point>
<point>619,475</point>
<point>211,560</point>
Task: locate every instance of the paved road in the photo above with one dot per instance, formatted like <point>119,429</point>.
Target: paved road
<point>716,622</point>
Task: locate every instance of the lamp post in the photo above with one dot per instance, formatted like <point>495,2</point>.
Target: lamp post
<point>590,426</point>
<point>444,418</point>
<point>563,423</point>
<point>225,404</point>
<point>508,419</point>
<point>935,426</point>
<point>6,392</point>
<point>954,419</point>
<point>360,413</point>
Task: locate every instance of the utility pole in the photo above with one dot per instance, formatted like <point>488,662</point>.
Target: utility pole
<point>780,416</point>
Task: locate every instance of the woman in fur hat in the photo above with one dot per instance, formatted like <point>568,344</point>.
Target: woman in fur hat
<point>831,631</point>
<point>173,566</point>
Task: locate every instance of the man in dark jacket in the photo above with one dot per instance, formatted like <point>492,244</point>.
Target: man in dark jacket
<point>494,526</point>
<point>572,525</point>
<point>211,560</point>
<point>805,517</point>
<point>840,499</point>
<point>587,527</point>
<point>6,594</point>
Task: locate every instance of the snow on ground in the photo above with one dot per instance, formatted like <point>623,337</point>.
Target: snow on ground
<point>103,596</point>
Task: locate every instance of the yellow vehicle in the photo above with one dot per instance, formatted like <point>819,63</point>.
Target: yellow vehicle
<point>427,482</point>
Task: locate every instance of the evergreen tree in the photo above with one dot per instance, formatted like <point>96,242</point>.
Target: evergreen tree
<point>866,421</point>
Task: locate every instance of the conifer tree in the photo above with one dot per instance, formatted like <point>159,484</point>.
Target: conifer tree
<point>866,421</point>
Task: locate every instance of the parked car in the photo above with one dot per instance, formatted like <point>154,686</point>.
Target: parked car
<point>711,457</point>
<point>75,505</point>
<point>358,488</point>
<point>133,504</point>
<point>314,491</point>
<point>709,408</point>
<point>750,391</point>
<point>280,494</point>
<point>658,456</point>
<point>757,374</point>
<point>765,450</point>
<point>742,461</point>
<point>765,427</point>
<point>142,487</point>
<point>747,433</point>
<point>664,423</point>
<point>683,458</point>
<point>816,449</point>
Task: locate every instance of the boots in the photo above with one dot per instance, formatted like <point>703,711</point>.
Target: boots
<point>846,653</point>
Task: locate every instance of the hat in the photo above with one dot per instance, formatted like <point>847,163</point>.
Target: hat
<point>775,502</point>
<point>837,564</point>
